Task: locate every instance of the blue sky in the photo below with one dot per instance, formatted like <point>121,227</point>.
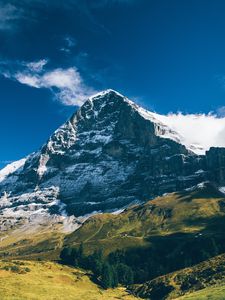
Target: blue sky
<point>167,55</point>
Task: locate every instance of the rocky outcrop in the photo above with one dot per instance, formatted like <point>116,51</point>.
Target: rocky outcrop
<point>112,153</point>
<point>215,159</point>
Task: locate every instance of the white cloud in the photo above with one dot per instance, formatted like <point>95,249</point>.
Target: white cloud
<point>36,66</point>
<point>197,129</point>
<point>27,79</point>
<point>221,111</point>
<point>66,84</point>
<point>60,78</point>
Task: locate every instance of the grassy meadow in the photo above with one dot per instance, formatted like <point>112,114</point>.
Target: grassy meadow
<point>29,280</point>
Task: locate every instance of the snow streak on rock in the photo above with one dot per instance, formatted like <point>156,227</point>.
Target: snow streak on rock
<point>109,154</point>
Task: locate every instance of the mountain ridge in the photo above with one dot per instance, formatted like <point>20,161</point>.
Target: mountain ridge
<point>109,154</point>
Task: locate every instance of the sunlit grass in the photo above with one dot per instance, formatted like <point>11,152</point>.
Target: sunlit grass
<point>47,280</point>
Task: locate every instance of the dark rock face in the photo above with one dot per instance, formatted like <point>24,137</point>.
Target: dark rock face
<point>108,155</point>
<point>215,159</point>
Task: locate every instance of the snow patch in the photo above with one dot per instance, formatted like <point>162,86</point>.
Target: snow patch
<point>12,168</point>
<point>118,211</point>
<point>208,129</point>
<point>103,93</point>
<point>222,189</point>
<point>199,186</point>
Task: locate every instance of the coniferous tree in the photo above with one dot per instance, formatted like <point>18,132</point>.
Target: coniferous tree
<point>115,280</point>
<point>107,276</point>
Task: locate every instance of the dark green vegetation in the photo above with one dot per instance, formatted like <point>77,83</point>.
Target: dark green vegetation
<point>109,272</point>
<point>200,277</point>
<point>160,250</point>
<point>166,234</point>
<point>17,267</point>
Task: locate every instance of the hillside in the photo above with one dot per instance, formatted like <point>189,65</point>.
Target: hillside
<point>166,234</point>
<point>172,233</point>
<point>195,214</point>
<point>43,241</point>
<point>214,292</point>
<point>167,225</point>
<point>25,280</point>
<point>207,278</point>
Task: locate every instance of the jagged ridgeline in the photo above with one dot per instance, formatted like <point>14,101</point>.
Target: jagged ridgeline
<point>111,153</point>
<point>158,204</point>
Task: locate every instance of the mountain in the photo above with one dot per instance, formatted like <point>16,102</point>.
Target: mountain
<point>110,154</point>
<point>163,235</point>
<point>173,245</point>
<point>176,229</point>
<point>181,232</point>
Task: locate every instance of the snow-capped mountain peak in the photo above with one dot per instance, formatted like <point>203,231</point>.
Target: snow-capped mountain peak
<point>179,127</point>
<point>109,154</point>
<point>161,127</point>
<point>104,93</point>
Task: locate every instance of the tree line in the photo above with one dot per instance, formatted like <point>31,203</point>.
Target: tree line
<point>138,265</point>
<point>107,271</point>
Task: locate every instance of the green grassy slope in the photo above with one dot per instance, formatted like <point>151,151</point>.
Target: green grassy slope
<point>188,215</point>
<point>164,235</point>
<point>171,219</point>
<point>209,293</point>
<point>167,234</point>
<point>43,242</point>
<point>26,280</point>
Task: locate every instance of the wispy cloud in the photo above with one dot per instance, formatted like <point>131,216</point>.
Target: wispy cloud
<point>70,41</point>
<point>14,11</point>
<point>66,85</point>
<point>68,44</point>
<point>9,15</point>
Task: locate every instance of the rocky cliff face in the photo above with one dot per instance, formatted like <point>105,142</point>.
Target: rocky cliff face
<point>215,159</point>
<point>111,153</point>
